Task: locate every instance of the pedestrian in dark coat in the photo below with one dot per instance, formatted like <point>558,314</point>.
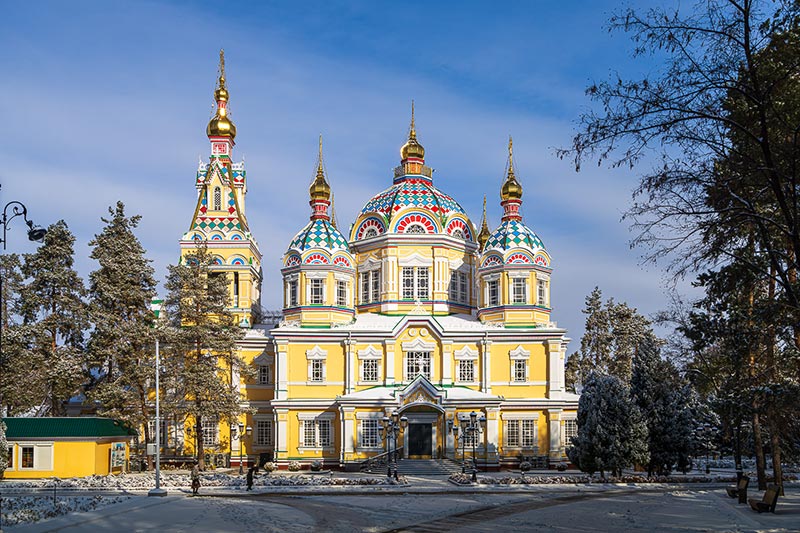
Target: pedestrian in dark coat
<point>251,472</point>
<point>195,475</point>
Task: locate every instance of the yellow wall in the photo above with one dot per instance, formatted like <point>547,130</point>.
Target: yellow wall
<point>68,459</point>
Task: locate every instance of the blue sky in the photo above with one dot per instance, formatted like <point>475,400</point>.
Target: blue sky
<point>109,100</point>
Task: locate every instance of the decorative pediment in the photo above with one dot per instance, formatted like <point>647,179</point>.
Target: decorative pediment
<point>264,359</point>
<point>466,353</point>
<point>419,345</point>
<point>370,352</point>
<point>420,391</point>
<point>519,353</point>
<point>370,264</point>
<point>316,353</point>
<point>415,260</point>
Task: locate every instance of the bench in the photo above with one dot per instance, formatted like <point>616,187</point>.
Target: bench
<point>768,502</point>
<point>739,490</point>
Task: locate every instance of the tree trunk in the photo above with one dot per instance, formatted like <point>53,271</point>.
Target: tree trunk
<point>198,431</point>
<point>758,445</point>
<point>772,412</point>
<point>775,441</point>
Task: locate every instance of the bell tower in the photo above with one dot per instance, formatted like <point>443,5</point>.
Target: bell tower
<point>219,217</point>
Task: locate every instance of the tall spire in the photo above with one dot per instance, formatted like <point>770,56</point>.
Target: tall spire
<point>484,234</point>
<point>333,211</point>
<point>220,125</point>
<point>320,191</point>
<point>412,149</point>
<point>511,191</point>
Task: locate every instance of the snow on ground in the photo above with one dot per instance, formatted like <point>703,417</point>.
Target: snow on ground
<point>27,509</point>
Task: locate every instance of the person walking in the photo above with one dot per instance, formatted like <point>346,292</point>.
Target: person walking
<point>195,475</point>
<point>251,472</point>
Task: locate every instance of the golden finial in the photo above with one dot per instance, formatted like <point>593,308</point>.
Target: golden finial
<point>412,147</point>
<point>333,211</point>
<point>484,234</point>
<point>320,190</point>
<point>220,125</point>
<point>512,189</point>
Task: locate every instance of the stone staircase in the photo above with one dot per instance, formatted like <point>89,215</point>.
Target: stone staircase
<point>428,467</point>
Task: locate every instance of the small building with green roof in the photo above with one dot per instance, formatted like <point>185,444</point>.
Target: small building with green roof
<point>66,446</point>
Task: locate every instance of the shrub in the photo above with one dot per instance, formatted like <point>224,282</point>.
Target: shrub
<point>269,467</point>
<point>525,466</point>
<point>294,466</point>
<point>316,466</point>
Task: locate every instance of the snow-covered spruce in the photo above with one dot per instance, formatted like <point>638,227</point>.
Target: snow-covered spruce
<point>27,509</point>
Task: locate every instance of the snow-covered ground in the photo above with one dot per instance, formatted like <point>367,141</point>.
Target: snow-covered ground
<point>26,509</point>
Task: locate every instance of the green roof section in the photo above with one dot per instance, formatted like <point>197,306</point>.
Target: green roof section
<point>55,427</point>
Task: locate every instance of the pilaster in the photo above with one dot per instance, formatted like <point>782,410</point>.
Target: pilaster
<point>554,433</point>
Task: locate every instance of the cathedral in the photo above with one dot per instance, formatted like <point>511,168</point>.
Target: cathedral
<point>412,309</point>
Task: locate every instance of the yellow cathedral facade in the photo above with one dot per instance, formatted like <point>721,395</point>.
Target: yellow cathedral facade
<point>413,310</point>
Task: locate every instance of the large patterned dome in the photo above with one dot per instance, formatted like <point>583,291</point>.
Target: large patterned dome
<point>421,204</point>
<point>318,234</point>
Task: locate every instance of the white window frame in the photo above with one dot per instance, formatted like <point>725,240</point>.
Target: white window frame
<point>459,287</point>
<point>519,357</point>
<point>465,372</point>
<point>370,427</point>
<point>316,291</point>
<point>43,456</point>
<point>370,286</point>
<point>519,290</point>
<point>372,356</point>
<point>310,424</point>
<point>210,432</point>
<point>565,442</point>
<point>316,357</point>
<point>542,292</point>
<point>258,439</point>
<point>489,282</point>
<point>341,293</point>
<point>419,358</point>
<point>264,374</point>
<point>415,283</point>
<point>525,434</point>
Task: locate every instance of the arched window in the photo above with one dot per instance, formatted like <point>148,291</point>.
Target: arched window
<point>415,228</point>
<point>217,199</point>
<point>459,234</point>
<point>371,232</point>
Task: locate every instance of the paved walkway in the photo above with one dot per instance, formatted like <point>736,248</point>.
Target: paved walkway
<point>414,508</point>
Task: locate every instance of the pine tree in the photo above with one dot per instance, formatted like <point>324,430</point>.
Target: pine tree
<point>53,309</point>
<point>202,363</point>
<point>611,432</point>
<point>121,346</point>
<point>18,385</point>
<point>665,401</point>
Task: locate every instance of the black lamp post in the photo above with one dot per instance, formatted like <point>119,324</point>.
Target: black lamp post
<point>391,429</point>
<point>454,428</point>
<point>35,234</point>
<point>471,430</point>
<point>242,432</point>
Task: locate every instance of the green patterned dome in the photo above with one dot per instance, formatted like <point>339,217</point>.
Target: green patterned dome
<point>514,234</point>
<point>319,234</point>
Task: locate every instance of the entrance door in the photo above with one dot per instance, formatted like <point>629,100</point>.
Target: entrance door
<point>420,441</point>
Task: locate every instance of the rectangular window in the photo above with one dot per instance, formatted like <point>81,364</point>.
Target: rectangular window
<point>415,283</point>
<point>369,370</point>
<point>466,371</point>
<point>370,433</point>
<point>521,433</point>
<point>493,290</point>
<point>341,293</point>
<point>317,370</point>
<point>370,286</point>
<point>520,371</point>
<point>292,293</point>
<point>519,294</point>
<point>151,425</point>
<point>463,288</point>
<point>210,433</point>
<point>376,285</point>
<point>408,283</point>
<point>309,429</point>
<point>27,457</point>
<point>471,437</point>
<point>324,433</point>
<point>263,433</point>
<point>418,363</point>
<point>10,465</point>
<point>317,291</point>
<point>264,375</point>
<point>570,430</point>
<point>542,284</point>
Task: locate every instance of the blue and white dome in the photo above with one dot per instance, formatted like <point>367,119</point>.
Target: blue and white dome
<point>514,243</point>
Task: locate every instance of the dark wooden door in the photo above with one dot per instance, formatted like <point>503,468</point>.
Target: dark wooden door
<point>420,438</point>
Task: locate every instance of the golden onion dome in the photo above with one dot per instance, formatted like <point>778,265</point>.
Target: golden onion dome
<point>412,147</point>
<point>319,189</point>
<point>512,189</point>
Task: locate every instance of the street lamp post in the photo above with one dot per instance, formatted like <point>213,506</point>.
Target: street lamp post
<point>35,234</point>
<point>454,429</point>
<point>157,491</point>
<point>391,429</point>
<point>242,432</point>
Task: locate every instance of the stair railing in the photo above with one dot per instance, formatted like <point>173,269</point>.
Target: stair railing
<point>382,460</point>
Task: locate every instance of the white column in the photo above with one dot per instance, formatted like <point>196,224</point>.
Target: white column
<point>492,434</point>
<point>350,366</point>
<point>390,345</point>
<point>348,439</point>
<point>281,369</point>
<point>447,365</point>
<point>486,366</point>
<point>554,426</point>
<point>281,429</point>
<point>450,414</point>
<point>555,367</point>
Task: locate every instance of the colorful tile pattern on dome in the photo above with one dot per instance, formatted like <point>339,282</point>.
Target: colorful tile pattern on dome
<point>514,234</point>
<point>319,234</point>
<point>217,223</point>
<point>412,193</point>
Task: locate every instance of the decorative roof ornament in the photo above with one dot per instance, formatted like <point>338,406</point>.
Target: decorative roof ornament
<point>512,189</point>
<point>220,125</point>
<point>412,148</point>
<point>484,234</point>
<point>319,189</point>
